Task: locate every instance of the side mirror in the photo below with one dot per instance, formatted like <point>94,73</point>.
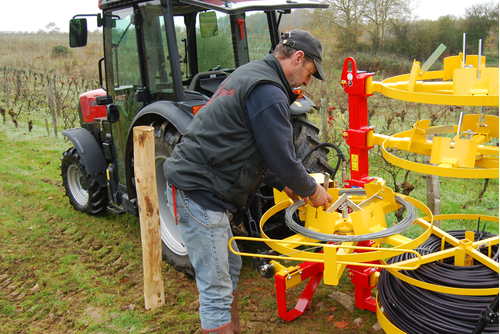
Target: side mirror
<point>77,33</point>
<point>112,113</point>
<point>208,24</point>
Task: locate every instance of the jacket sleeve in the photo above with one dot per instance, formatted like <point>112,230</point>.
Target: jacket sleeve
<point>268,114</point>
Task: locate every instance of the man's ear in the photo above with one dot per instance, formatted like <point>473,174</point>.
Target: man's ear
<point>299,56</point>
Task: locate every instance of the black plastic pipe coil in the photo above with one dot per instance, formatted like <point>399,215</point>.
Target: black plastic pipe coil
<point>420,311</point>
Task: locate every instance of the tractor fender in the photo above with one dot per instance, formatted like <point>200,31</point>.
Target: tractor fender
<point>302,106</point>
<point>175,115</point>
<point>90,153</point>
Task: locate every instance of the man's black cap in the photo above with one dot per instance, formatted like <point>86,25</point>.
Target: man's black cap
<point>307,42</point>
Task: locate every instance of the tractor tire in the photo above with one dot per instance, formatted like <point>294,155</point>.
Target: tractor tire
<point>85,194</point>
<point>306,137</point>
<point>174,251</point>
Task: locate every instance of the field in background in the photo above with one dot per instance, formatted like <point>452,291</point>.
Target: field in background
<point>41,78</point>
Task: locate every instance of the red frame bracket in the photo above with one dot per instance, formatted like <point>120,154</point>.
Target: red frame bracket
<point>309,270</point>
<point>360,277</point>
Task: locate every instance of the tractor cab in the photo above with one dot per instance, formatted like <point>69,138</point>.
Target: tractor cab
<point>163,50</point>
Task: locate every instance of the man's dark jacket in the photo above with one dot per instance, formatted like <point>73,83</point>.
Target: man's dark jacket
<point>218,152</point>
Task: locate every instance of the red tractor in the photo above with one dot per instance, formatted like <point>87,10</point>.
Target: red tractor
<point>162,61</point>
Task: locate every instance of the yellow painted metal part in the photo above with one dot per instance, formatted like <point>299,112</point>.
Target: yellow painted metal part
<point>464,156</point>
<point>337,257</point>
<point>292,273</point>
<point>386,324</point>
<point>462,248</point>
<point>471,86</point>
<point>453,159</point>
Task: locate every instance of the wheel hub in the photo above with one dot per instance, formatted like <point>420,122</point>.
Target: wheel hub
<point>83,183</point>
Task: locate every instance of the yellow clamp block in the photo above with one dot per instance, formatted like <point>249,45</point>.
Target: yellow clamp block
<point>373,278</point>
<point>412,80</point>
<point>462,155</point>
<point>292,274</point>
<point>461,257</point>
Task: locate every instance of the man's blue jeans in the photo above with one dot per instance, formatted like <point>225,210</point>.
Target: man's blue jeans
<point>206,234</point>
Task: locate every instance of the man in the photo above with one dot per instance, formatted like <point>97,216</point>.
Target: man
<point>240,136</point>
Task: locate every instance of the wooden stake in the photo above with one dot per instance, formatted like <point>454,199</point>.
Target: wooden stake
<point>433,194</point>
<point>47,127</point>
<point>50,96</point>
<point>324,118</point>
<point>149,214</point>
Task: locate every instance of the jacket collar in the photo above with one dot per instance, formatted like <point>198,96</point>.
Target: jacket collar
<point>275,64</point>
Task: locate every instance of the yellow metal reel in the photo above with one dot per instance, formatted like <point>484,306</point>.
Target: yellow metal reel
<point>336,257</point>
<point>462,158</point>
<point>469,248</point>
<point>470,86</point>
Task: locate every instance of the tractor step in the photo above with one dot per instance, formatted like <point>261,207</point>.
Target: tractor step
<point>116,209</point>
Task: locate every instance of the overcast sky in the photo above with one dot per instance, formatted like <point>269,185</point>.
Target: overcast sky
<point>33,15</point>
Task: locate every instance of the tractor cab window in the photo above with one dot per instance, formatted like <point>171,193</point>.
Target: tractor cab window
<point>214,42</point>
<point>123,51</point>
<point>130,32</point>
<point>215,55</point>
<point>259,43</point>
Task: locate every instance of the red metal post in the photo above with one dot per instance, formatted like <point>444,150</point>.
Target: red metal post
<point>360,277</point>
<point>355,84</point>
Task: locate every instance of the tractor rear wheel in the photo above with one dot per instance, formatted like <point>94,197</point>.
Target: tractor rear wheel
<point>84,192</point>
<point>306,137</point>
<point>174,251</point>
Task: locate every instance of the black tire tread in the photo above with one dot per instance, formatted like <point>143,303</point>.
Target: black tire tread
<point>306,137</point>
<point>98,196</point>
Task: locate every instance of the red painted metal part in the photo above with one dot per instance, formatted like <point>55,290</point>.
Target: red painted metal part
<point>360,277</point>
<point>240,23</point>
<point>311,270</point>
<point>354,84</point>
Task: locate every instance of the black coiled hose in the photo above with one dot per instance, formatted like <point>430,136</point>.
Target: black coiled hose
<point>421,311</point>
<point>335,147</point>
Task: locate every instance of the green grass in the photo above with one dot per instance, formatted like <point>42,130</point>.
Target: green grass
<point>74,273</point>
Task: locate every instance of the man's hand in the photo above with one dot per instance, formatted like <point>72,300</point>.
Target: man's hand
<point>320,198</point>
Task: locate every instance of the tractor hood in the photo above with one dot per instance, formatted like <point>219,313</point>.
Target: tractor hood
<point>240,6</point>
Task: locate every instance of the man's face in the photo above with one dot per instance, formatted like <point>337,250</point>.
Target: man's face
<point>302,71</point>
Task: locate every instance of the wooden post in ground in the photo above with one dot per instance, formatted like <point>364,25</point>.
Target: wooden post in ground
<point>50,96</point>
<point>149,214</point>
<point>433,194</point>
<point>324,118</point>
